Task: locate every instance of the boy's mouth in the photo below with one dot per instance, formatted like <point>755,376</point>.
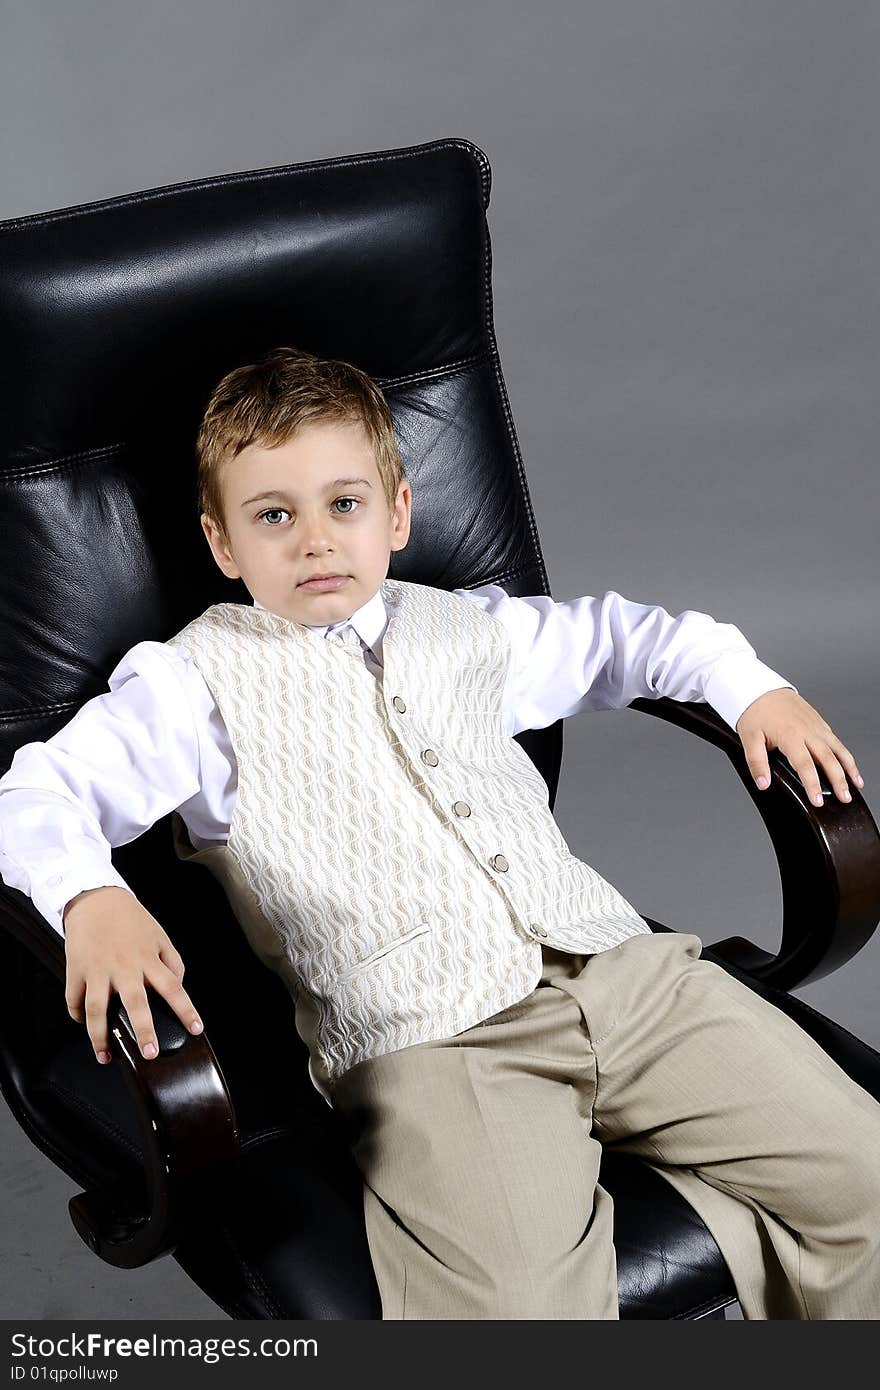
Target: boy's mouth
<point>325,582</point>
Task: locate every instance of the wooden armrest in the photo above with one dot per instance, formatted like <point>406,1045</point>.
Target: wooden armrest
<point>829,860</point>
<point>186,1117</point>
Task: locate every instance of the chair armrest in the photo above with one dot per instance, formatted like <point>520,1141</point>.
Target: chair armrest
<point>829,860</point>
<point>183,1106</point>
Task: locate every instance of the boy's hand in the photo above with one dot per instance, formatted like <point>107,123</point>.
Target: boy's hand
<point>113,943</point>
<point>782,719</point>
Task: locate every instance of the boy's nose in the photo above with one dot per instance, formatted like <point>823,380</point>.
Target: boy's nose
<point>314,548</point>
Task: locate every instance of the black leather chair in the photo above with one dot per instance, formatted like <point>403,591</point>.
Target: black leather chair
<point>119,317</point>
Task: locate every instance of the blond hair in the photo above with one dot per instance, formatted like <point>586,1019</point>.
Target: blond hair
<point>266,402</point>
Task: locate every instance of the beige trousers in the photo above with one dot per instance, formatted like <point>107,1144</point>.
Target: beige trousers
<point>480,1152</point>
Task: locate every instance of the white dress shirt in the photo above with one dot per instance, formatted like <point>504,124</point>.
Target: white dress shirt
<point>156,741</point>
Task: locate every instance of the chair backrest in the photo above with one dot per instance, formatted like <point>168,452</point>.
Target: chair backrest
<point>118,319</point>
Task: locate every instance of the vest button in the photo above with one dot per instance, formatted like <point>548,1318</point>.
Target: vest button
<point>461,808</point>
<point>536,929</point>
<point>499,862</point>
<point>398,704</point>
<point>430,757</point>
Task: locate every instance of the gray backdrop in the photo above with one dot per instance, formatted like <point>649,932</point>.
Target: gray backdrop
<point>684,219</point>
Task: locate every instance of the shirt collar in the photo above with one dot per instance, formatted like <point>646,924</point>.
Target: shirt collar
<point>369,622</point>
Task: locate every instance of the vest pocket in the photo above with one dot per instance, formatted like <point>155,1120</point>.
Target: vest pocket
<point>421,930</point>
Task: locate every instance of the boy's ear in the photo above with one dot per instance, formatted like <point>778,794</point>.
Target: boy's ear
<point>402,516</point>
<point>219,547</point>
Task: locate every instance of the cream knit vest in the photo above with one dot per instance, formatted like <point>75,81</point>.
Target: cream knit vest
<point>392,853</point>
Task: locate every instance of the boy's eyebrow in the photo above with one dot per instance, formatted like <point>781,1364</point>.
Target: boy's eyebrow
<point>337,482</point>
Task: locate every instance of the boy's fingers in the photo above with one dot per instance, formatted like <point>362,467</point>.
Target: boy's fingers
<point>802,762</point>
<point>810,778</point>
<point>832,768</point>
<point>166,983</point>
<point>173,991</point>
<point>756,758</point>
<point>799,761</point>
<point>137,1006</point>
<point>823,755</point>
<point>847,760</point>
<point>836,775</point>
<point>97,995</point>
<point>171,957</point>
<point>73,997</point>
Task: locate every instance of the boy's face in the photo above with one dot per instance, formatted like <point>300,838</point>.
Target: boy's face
<point>288,519</point>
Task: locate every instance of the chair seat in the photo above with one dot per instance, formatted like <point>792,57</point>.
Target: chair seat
<point>302,1248</point>
<point>284,1237</point>
<point>269,1247</point>
<point>668,1263</point>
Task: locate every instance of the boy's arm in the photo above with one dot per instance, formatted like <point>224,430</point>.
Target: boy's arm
<point>595,653</point>
<point>123,761</point>
<point>603,653</point>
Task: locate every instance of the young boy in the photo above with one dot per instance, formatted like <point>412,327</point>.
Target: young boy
<point>480,1005</point>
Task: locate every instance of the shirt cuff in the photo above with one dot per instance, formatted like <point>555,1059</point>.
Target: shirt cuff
<point>736,680</point>
<point>51,897</point>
